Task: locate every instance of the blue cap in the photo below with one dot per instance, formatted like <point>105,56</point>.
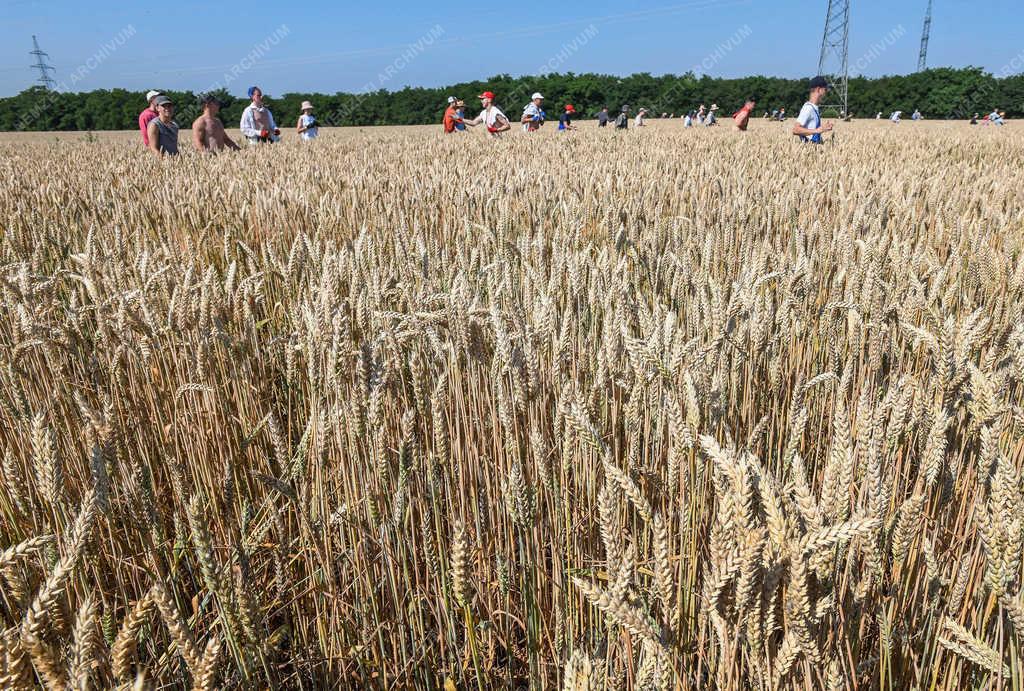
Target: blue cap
<point>251,90</point>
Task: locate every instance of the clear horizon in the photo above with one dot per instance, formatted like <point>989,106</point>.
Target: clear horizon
<point>354,49</point>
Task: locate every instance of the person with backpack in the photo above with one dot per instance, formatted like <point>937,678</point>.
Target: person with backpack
<point>808,125</point>
<point>622,121</point>
<point>491,116</point>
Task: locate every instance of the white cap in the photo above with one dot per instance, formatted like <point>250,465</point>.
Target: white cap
<point>536,95</point>
<point>451,99</point>
<point>151,94</point>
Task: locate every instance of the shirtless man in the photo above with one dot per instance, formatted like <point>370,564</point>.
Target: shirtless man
<point>208,131</point>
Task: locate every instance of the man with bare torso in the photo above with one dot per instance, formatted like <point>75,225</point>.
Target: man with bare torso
<point>208,131</point>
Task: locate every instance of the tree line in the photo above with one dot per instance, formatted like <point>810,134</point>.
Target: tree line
<point>937,93</point>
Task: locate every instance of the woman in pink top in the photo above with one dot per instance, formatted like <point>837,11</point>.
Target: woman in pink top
<point>148,114</point>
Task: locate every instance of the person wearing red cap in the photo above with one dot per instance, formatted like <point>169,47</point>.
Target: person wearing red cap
<point>565,119</point>
<point>491,116</point>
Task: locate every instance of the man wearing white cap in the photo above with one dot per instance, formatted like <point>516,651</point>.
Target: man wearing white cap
<point>307,126</point>
<point>148,114</point>
<point>533,114</point>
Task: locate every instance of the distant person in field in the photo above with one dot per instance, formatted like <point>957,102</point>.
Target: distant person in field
<point>163,130</point>
<point>782,115</point>
<point>257,124</point>
<point>741,118</point>
<point>491,116</point>
<point>565,119</point>
<point>533,114</point>
<point>895,117</point>
<point>603,117</point>
<point>808,123</point>
<point>974,120</point>
<point>641,116</point>
<point>917,115</point>
<point>148,114</point>
<point>711,120</point>
<point>622,121</point>
<point>306,127</point>
<point>878,116</point>
<point>688,120</point>
<point>995,117</point>
<point>460,115</point>
<point>207,130</point>
<point>700,114</point>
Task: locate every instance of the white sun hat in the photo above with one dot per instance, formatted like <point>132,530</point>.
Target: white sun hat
<point>151,94</point>
<point>536,95</point>
<point>306,105</point>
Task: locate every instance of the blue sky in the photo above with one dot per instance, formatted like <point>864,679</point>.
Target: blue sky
<point>327,47</point>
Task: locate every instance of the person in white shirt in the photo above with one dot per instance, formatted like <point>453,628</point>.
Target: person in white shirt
<point>307,127</point>
<point>808,123</point>
<point>639,121</point>
<point>533,114</point>
<point>258,126</point>
<point>896,115</point>
<point>491,116</point>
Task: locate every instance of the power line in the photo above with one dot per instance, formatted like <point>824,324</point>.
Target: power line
<point>44,68</point>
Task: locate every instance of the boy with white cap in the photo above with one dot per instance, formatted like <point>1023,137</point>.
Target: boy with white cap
<point>307,126</point>
<point>148,114</point>
<point>533,114</point>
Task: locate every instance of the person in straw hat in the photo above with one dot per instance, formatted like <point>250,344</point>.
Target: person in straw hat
<point>307,126</point>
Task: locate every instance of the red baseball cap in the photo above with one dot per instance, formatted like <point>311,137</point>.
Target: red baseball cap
<point>570,109</point>
<point>486,94</point>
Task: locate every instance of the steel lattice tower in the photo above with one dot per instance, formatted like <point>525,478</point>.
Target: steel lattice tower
<point>922,58</point>
<point>44,69</point>
<point>834,60</point>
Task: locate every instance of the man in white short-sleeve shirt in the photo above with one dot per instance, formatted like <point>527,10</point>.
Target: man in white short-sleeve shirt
<point>491,116</point>
<point>808,123</point>
<point>533,114</point>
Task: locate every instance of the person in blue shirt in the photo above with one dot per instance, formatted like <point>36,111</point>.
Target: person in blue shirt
<point>565,119</point>
<point>808,123</point>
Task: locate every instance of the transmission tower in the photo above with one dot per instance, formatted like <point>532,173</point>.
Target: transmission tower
<point>44,69</point>
<point>922,58</point>
<point>833,62</point>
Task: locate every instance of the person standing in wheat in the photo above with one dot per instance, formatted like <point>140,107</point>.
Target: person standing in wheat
<point>808,123</point>
<point>491,116</point>
<point>257,125</point>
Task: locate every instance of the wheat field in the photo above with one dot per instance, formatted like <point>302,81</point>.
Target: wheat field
<point>661,409</point>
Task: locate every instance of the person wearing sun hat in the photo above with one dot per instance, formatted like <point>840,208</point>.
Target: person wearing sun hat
<point>565,119</point>
<point>491,116</point>
<point>306,126</point>
<point>148,114</point>
<point>258,126</point>
<point>533,114</point>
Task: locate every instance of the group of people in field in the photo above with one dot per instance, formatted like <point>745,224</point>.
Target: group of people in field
<point>160,131</point>
<point>808,128</point>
